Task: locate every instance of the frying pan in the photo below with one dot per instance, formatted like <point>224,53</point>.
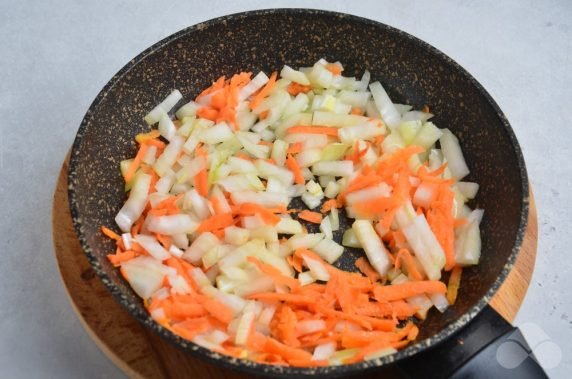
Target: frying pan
<point>413,72</point>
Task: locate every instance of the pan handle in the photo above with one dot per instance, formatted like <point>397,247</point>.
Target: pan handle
<point>488,347</point>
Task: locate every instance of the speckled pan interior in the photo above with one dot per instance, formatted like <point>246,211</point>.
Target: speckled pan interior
<point>412,71</point>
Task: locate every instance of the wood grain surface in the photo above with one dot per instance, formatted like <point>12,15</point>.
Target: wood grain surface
<point>139,353</point>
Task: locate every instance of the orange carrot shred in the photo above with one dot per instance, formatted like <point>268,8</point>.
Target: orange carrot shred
<point>295,148</point>
<point>118,258</point>
<point>136,163</point>
<point>296,88</point>
<point>313,217</point>
<point>454,282</point>
<point>334,68</point>
<point>218,221</point>
<point>264,91</point>
<point>295,168</point>
<point>363,265</point>
<point>329,204</point>
<point>110,233</point>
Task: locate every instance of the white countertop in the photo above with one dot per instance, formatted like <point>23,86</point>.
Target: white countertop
<point>55,56</point>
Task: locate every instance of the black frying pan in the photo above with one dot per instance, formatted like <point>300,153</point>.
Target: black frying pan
<point>413,73</point>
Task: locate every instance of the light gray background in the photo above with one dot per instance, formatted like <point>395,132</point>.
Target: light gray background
<point>55,56</point>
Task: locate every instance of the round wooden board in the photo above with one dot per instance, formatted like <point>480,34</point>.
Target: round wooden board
<point>139,353</point>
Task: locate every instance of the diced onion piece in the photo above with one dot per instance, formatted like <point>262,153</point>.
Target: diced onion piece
<point>236,236</point>
<point>288,226</point>
<point>279,149</point>
<point>349,239</point>
<point>416,115</point>
<point>307,241</point>
<point>337,168</point>
<point>266,169</point>
<point>354,98</point>
<point>169,156</point>
<point>468,189</point>
<point>368,130</point>
<point>427,136</point>
<point>245,325</point>
<point>167,127</point>
<point>468,245</point>
<point>164,107</point>
<point>258,285</point>
<point>306,278</point>
<point>188,110</point>
<point>332,190</point>
<point>333,119</point>
<point>173,224</point>
<point>369,194</point>
<point>440,301</point>
<point>425,246</point>
<point>452,152</point>
<point>293,75</point>
<point>334,219</point>
<point>179,285</point>
<point>252,222</point>
<point>392,143</point>
<point>241,166</point>
<point>246,182</point>
<point>218,133</point>
<point>308,157</point>
<point>385,106</point>
<point>204,242</point>
<point>317,269</point>
<point>376,252</point>
<point>144,274</point>
<point>329,250</point>
<point>135,204</point>
<point>324,351</point>
<point>259,151</point>
<point>154,248</point>
<point>311,201</point>
<point>150,155</point>
<point>254,85</point>
<point>266,199</point>
<point>265,232</point>
<point>326,228</point>
<point>127,240</point>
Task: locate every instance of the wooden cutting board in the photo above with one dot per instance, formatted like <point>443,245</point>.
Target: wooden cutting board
<point>139,353</point>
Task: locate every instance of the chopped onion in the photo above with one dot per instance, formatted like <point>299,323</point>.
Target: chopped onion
<point>135,204</point>
<point>376,252</point>
<point>144,274</point>
<point>337,168</point>
<point>170,225</point>
<point>329,249</point>
<point>203,243</point>
<point>388,111</point>
<point>154,248</point>
<point>453,154</point>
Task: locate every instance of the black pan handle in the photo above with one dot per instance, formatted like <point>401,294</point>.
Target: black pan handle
<point>488,347</point>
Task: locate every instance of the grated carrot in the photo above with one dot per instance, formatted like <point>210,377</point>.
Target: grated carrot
<point>295,169</point>
<point>313,217</point>
<point>264,91</point>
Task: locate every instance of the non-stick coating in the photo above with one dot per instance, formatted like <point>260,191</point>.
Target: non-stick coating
<point>412,72</point>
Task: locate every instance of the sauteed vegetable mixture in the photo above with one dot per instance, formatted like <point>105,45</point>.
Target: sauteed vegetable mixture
<point>213,243</point>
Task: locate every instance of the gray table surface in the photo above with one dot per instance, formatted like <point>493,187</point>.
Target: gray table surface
<point>55,56</point>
